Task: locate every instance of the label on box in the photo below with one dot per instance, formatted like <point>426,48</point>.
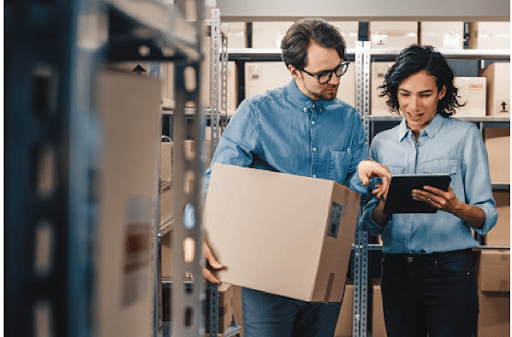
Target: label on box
<point>136,250</point>
<point>504,106</point>
<point>334,220</point>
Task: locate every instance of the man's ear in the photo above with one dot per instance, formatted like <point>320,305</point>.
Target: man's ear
<point>294,72</point>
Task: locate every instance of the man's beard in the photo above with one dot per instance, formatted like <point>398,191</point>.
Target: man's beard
<point>326,94</point>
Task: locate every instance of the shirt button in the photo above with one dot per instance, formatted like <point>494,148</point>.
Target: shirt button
<point>409,259</point>
<point>314,149</point>
<point>305,109</point>
<point>314,175</point>
<point>313,122</point>
<point>321,110</point>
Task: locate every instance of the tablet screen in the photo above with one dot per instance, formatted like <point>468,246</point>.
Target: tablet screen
<point>399,199</point>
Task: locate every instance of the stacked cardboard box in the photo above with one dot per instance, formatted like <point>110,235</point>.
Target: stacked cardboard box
<point>393,35</point>
<point>345,321</point>
<point>129,108</point>
<point>497,79</point>
<point>489,35</point>
<point>378,325</point>
<point>378,106</point>
<point>230,305</point>
<point>493,278</point>
<point>237,34</point>
<point>262,76</point>
<point>445,35</point>
<point>472,92</point>
<point>497,142</point>
<point>349,30</point>
<point>304,219</point>
<point>500,234</point>
<point>268,34</point>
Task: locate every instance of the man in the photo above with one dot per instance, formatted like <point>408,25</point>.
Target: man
<point>304,129</point>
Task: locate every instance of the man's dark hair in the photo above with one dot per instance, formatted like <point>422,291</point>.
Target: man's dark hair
<point>295,44</point>
<point>413,60</point>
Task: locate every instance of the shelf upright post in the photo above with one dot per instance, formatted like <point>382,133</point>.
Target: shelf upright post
<point>214,79</point>
<point>224,77</point>
<point>187,292</point>
<point>52,147</point>
<point>360,253</point>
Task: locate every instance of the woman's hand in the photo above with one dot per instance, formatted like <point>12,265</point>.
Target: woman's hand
<point>447,201</point>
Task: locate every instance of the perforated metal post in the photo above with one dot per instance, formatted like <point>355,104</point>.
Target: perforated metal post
<point>215,78</point>
<point>360,253</point>
<point>187,292</point>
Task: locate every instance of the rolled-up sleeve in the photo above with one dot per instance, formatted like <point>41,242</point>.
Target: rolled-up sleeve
<point>477,181</point>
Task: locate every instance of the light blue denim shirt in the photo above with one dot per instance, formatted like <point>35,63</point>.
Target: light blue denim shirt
<point>283,130</point>
<point>446,145</point>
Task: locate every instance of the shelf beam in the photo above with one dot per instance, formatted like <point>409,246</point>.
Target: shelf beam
<point>373,10</point>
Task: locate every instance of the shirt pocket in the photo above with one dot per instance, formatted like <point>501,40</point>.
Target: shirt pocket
<point>340,164</point>
<point>396,169</point>
<point>439,166</point>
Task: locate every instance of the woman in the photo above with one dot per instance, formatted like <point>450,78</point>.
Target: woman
<point>427,283</point>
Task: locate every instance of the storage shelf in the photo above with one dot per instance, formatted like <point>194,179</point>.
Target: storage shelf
<point>484,119</point>
<point>501,186</point>
<point>471,54</point>
<point>377,246</point>
<point>266,54</point>
<point>163,30</point>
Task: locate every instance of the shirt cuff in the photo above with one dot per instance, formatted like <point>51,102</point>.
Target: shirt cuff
<point>491,216</point>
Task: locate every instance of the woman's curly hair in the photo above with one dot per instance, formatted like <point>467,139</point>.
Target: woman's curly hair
<point>413,60</point>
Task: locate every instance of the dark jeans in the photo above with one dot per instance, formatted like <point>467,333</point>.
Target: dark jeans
<point>268,315</point>
<point>432,294</point>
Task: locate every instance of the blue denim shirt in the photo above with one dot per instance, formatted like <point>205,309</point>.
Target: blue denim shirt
<point>283,130</point>
<point>446,145</point>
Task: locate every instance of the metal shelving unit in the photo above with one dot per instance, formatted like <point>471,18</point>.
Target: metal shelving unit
<point>53,53</point>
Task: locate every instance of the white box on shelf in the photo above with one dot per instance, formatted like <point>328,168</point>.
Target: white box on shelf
<point>472,93</point>
<point>497,77</point>
<point>442,35</point>
<point>489,35</point>
<point>393,35</point>
<point>378,106</point>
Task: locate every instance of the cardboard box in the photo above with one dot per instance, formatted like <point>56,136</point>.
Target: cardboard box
<point>500,234</point>
<point>497,142</point>
<point>230,303</point>
<point>237,34</point>
<point>378,324</point>
<point>345,319</point>
<point>166,206</point>
<point>472,92</point>
<point>129,108</point>
<point>378,106</point>
<point>167,76</point>
<point>166,255</point>
<point>269,34</point>
<point>166,161</point>
<point>283,234</point>
<point>393,35</point>
<point>232,89</point>
<point>494,316</point>
<point>442,35</point>
<point>493,270</point>
<point>262,76</point>
<point>497,81</point>
<point>489,35</point>
<point>349,30</point>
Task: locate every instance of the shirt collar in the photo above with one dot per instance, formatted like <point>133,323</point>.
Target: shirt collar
<point>302,101</point>
<point>430,130</point>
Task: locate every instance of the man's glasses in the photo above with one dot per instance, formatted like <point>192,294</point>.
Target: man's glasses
<point>326,76</point>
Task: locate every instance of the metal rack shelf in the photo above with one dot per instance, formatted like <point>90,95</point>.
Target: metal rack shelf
<point>151,31</point>
<point>265,54</point>
<point>470,54</point>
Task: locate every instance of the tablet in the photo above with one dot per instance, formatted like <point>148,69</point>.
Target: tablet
<point>399,199</point>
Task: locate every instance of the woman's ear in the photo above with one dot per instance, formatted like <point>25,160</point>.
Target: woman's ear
<point>442,93</point>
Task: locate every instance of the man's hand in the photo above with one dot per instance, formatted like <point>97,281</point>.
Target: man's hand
<point>207,274</point>
<point>371,169</point>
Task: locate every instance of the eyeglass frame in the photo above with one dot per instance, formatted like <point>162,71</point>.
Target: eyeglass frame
<point>343,63</point>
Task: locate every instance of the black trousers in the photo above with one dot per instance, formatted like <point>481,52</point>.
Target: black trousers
<point>432,294</point>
